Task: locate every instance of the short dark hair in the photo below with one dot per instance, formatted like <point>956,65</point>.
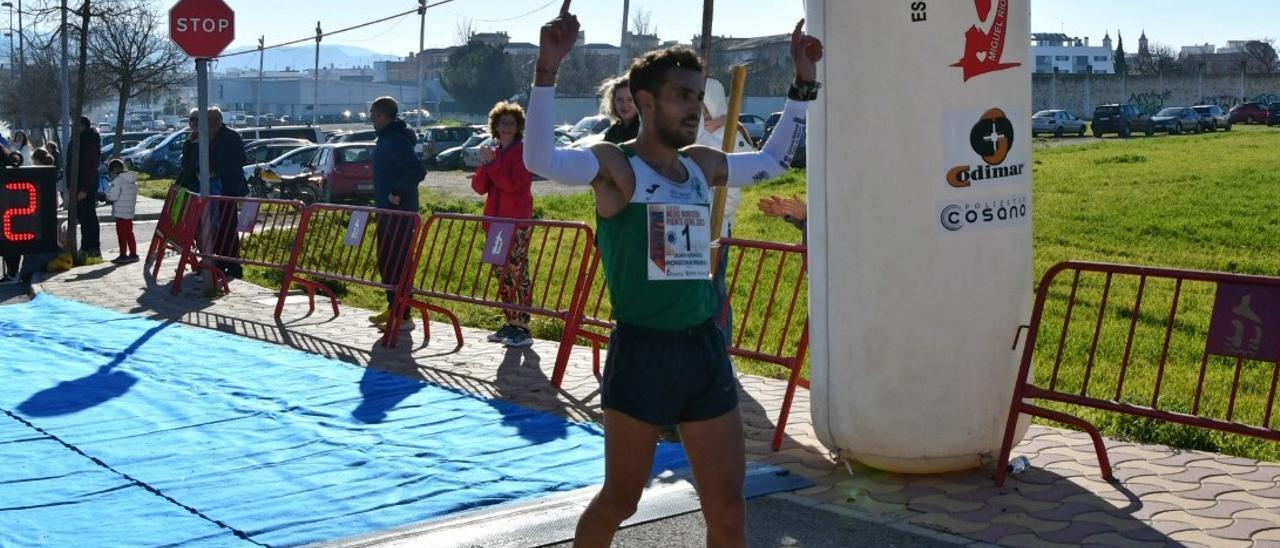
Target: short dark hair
<point>650,71</point>
<point>41,157</point>
<point>115,164</point>
<point>385,105</point>
<point>85,121</point>
<point>506,107</point>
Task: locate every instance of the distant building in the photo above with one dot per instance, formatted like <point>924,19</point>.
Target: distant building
<point>1203,49</point>
<point>1055,52</point>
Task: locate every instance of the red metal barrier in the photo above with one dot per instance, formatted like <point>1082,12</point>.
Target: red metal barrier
<point>176,228</point>
<point>1166,321</point>
<point>245,231</point>
<point>353,245</point>
<point>766,282</point>
<point>451,259</point>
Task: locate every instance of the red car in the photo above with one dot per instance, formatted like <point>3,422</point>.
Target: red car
<point>344,170</point>
<point>1249,113</point>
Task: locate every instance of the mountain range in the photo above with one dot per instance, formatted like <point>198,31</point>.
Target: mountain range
<point>302,57</point>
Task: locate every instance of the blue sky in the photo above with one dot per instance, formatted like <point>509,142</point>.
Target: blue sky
<point>1172,22</point>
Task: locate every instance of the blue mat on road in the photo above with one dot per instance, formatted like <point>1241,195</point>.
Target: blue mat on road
<point>123,431</point>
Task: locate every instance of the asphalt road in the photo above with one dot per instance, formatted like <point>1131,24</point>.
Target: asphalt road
<point>773,521</point>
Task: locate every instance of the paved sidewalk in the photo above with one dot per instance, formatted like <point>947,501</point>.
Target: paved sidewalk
<point>1165,497</point>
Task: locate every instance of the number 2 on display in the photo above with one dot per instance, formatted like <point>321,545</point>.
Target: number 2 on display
<point>9,233</point>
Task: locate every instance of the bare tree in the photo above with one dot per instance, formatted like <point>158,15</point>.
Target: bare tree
<point>642,23</point>
<point>464,31</point>
<point>1160,60</point>
<point>135,59</point>
<point>1260,56</point>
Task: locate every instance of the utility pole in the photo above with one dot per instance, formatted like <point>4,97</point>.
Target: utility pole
<point>22,64</point>
<point>315,98</point>
<point>622,42</point>
<point>708,13</point>
<point>257,108</point>
<point>10,33</point>
<point>422,34</point>
<point>66,135</point>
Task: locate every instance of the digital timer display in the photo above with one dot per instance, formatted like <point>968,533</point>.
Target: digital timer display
<point>28,210</point>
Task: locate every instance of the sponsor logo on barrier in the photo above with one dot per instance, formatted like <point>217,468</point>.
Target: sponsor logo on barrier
<point>991,139</point>
<point>984,214</point>
<point>495,244</point>
<point>984,50</point>
<point>1244,322</point>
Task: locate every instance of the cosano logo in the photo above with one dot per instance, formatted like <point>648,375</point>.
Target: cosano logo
<point>983,50</point>
<point>984,214</point>
<point>992,139</point>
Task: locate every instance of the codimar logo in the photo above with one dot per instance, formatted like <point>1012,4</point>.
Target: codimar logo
<point>983,50</point>
<point>992,139</point>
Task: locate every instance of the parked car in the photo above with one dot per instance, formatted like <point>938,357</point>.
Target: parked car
<point>132,156</point>
<point>441,138</point>
<point>452,158</point>
<point>1176,120</point>
<point>164,160</point>
<point>1273,114</point>
<point>265,150</point>
<point>345,170</point>
<point>1057,122</point>
<point>309,133</point>
<point>289,164</point>
<point>755,126</point>
<point>1249,113</point>
<point>364,136</point>
<point>1213,118</point>
<point>1119,119</point>
<point>590,125</point>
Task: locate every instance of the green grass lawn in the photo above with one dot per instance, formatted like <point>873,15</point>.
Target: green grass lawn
<point>1202,202</point>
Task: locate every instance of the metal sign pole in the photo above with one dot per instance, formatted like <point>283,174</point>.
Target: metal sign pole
<point>202,127</point>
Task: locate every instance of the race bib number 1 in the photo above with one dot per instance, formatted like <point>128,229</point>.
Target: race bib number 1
<point>679,242</point>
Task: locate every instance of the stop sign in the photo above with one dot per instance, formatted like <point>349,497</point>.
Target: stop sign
<point>202,28</point>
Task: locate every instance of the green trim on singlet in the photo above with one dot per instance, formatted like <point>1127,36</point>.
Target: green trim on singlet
<point>624,245</point>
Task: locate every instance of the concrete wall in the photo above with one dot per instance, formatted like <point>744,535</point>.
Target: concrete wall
<point>1081,93</point>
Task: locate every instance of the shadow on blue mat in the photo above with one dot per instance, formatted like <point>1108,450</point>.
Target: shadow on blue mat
<point>287,447</point>
<point>80,394</point>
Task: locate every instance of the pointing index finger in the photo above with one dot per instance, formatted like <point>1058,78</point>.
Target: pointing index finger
<point>564,8</point>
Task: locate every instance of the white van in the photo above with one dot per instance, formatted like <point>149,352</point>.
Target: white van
<point>309,133</point>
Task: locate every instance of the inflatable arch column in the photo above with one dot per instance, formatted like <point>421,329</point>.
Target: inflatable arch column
<point>920,227</point>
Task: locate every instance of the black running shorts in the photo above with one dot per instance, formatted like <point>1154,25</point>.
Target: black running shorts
<point>668,377</point>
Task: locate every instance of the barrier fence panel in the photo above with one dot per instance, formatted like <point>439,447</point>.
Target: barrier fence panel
<point>177,227</point>
<point>351,245</point>
<point>478,261</point>
<point>1198,349</point>
<point>767,286</point>
<point>245,231</point>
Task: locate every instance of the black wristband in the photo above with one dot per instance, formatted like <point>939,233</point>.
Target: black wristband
<point>806,91</point>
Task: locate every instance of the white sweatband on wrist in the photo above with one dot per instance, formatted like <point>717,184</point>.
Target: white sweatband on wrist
<point>748,168</point>
<point>567,166</point>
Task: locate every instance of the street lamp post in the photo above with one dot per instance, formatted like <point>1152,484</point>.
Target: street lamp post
<point>422,33</point>
<point>10,33</point>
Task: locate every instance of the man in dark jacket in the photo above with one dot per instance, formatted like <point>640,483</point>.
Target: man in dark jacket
<point>396,175</point>
<point>87,158</point>
<point>226,178</point>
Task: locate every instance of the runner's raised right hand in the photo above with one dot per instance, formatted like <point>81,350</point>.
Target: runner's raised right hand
<point>557,39</point>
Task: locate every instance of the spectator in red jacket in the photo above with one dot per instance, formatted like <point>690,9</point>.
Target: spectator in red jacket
<point>507,187</point>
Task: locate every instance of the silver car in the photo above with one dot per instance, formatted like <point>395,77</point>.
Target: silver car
<point>1057,122</point>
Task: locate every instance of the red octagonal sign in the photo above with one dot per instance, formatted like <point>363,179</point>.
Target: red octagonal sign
<point>202,28</point>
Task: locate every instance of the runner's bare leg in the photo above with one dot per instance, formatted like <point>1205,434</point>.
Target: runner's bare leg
<point>628,457</point>
<point>717,454</point>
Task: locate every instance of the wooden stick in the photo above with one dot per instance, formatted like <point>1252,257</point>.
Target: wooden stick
<point>730,137</point>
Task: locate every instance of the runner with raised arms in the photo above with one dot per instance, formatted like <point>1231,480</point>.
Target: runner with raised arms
<point>667,361</point>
